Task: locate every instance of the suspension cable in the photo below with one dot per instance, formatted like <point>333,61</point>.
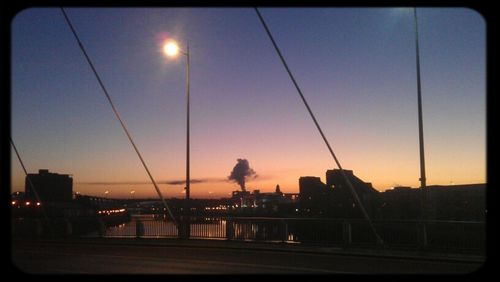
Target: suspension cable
<point>349,184</point>
<point>116,112</point>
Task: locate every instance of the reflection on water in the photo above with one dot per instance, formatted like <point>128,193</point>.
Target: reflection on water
<point>143,226</point>
<point>124,229</point>
<point>150,226</point>
<point>257,231</point>
<point>208,228</point>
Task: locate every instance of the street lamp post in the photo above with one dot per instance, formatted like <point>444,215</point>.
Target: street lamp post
<point>420,122</point>
<point>188,182</point>
<point>172,49</point>
<point>423,185</point>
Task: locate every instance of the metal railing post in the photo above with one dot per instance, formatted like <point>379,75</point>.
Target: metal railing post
<point>422,231</point>
<point>183,227</point>
<point>347,233</point>
<point>139,229</point>
<point>39,228</point>
<point>284,231</point>
<point>229,229</point>
<point>101,228</point>
<point>68,231</point>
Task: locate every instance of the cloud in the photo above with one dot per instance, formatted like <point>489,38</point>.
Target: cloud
<point>168,182</point>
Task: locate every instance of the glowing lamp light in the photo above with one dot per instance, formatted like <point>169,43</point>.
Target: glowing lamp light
<point>28,203</point>
<point>171,49</point>
<point>13,202</point>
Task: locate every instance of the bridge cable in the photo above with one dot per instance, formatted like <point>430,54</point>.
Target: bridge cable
<point>116,112</point>
<point>33,188</point>
<point>353,192</point>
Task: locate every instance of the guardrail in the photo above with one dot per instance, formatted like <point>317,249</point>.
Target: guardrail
<point>454,236</point>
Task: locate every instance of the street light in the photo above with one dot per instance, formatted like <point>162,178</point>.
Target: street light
<point>171,49</point>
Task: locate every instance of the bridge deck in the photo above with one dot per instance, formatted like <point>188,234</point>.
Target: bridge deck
<point>126,256</point>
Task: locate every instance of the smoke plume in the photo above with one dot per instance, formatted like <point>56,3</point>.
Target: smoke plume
<point>241,172</point>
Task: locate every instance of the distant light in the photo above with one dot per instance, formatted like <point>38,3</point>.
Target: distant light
<point>13,202</point>
<point>38,203</point>
<point>171,49</point>
<point>28,203</point>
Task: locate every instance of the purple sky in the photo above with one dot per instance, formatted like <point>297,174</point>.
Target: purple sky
<point>355,66</point>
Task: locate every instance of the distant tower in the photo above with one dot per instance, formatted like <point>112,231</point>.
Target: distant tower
<point>278,191</point>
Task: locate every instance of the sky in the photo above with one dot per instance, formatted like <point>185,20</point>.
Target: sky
<point>355,66</point>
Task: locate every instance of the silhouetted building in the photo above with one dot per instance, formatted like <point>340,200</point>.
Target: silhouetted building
<point>258,203</point>
<point>50,187</point>
<point>271,203</point>
<point>458,202</point>
<point>313,195</point>
<point>335,180</point>
<point>241,198</point>
<point>335,199</point>
<point>292,197</point>
<point>401,203</point>
<point>446,202</point>
<point>343,201</point>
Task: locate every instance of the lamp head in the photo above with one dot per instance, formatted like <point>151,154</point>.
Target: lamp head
<point>171,49</point>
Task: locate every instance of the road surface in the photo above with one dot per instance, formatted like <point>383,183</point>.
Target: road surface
<point>88,257</point>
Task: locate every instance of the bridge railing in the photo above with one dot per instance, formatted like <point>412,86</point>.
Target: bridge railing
<point>448,236</point>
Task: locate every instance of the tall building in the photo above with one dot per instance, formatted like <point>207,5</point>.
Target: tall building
<point>334,199</point>
<point>334,179</point>
<point>342,197</point>
<point>50,187</point>
<point>313,195</point>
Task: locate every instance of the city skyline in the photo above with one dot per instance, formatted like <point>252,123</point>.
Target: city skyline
<point>356,68</point>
